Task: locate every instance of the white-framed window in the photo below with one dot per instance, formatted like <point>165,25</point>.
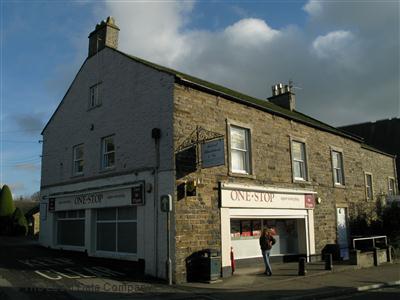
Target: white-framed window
<point>337,167</point>
<point>78,152</point>
<point>94,96</point>
<point>299,161</point>
<point>391,186</point>
<point>240,150</point>
<point>369,192</point>
<point>108,152</point>
<point>71,228</point>
<point>116,229</point>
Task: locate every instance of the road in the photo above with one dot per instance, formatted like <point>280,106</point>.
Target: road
<point>388,293</point>
<point>30,272</point>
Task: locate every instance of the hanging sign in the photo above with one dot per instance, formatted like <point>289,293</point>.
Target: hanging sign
<point>212,153</point>
<point>137,195</point>
<point>309,201</point>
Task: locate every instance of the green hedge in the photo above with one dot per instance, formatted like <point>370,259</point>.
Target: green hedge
<point>12,220</point>
<point>7,207</point>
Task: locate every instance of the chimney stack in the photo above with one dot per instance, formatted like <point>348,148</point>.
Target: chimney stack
<point>105,34</point>
<point>283,96</point>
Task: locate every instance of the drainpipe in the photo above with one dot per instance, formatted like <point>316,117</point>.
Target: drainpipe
<point>156,134</point>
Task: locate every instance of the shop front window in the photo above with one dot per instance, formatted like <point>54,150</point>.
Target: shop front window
<point>71,228</point>
<point>117,229</point>
<point>245,235</point>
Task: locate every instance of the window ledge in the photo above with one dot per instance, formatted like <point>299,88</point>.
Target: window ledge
<point>77,175</point>
<point>94,107</point>
<point>109,169</point>
<point>340,186</point>
<point>241,175</point>
<point>302,181</point>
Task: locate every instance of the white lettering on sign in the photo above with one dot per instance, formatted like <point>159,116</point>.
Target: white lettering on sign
<point>251,196</point>
<point>233,197</point>
<point>111,198</point>
<point>88,199</point>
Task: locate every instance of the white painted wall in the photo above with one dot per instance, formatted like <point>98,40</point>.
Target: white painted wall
<point>135,99</point>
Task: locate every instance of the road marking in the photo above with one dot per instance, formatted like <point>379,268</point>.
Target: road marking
<point>69,276</point>
<point>108,271</point>
<point>79,273</point>
<point>58,277</point>
<point>46,262</point>
<point>69,273</point>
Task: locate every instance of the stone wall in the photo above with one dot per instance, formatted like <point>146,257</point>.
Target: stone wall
<point>197,224</point>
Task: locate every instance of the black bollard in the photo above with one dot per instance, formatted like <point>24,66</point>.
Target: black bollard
<point>328,262</point>
<point>389,254</point>
<point>302,266</point>
<point>376,259</point>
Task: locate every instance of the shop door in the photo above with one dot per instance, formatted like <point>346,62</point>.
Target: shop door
<point>342,233</point>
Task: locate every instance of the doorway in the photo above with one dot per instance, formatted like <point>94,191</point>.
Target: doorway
<point>342,232</point>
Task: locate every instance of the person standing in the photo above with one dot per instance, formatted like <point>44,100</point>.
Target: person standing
<point>266,242</point>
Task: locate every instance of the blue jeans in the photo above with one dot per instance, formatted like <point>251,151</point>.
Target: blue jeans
<point>265,254</point>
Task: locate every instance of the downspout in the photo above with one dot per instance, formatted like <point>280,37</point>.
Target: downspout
<point>396,181</point>
<point>156,134</point>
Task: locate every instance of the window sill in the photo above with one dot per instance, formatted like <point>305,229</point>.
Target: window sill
<point>106,170</point>
<point>241,175</point>
<point>77,175</point>
<point>340,186</point>
<point>301,181</point>
<point>94,107</point>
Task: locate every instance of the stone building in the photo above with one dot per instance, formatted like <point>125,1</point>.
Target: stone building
<point>129,131</point>
<point>381,134</point>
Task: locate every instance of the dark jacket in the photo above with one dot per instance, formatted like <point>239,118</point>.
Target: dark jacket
<point>266,242</point>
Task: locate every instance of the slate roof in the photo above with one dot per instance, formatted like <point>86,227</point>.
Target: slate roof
<point>243,98</point>
<point>236,96</point>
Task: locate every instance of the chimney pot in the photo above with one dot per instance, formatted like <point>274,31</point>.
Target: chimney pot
<point>283,96</point>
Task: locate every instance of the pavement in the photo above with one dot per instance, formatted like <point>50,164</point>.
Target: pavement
<point>28,271</point>
<point>287,284</point>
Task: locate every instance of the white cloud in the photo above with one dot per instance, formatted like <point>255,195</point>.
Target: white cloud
<point>152,29</point>
<point>30,167</point>
<point>332,44</point>
<point>344,54</point>
<point>313,7</point>
<point>250,33</point>
<point>339,46</point>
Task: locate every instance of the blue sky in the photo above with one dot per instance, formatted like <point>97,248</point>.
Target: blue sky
<point>343,56</point>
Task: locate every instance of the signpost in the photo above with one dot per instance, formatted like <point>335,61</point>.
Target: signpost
<point>166,206</point>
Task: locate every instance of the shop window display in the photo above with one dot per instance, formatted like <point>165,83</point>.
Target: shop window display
<point>284,230</point>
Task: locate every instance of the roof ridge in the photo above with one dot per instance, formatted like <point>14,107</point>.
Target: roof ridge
<point>250,100</point>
